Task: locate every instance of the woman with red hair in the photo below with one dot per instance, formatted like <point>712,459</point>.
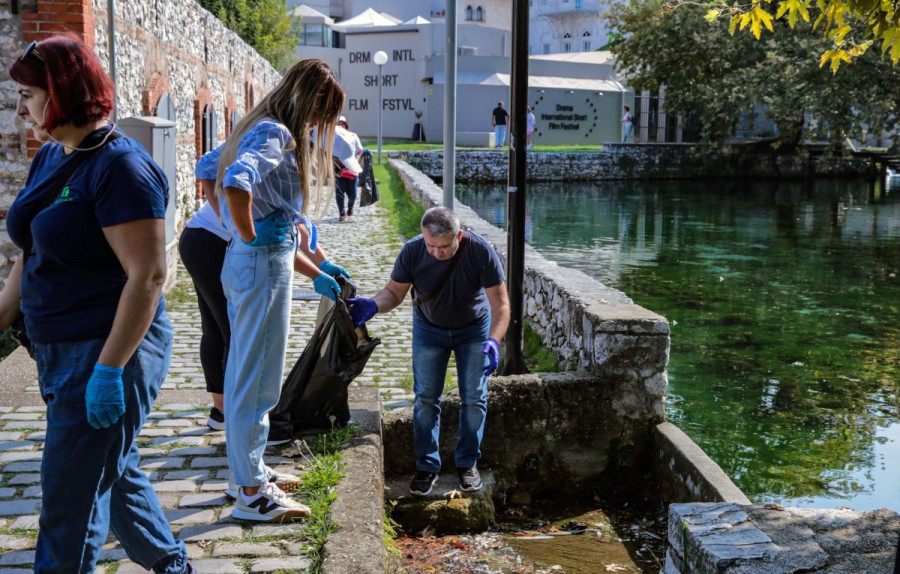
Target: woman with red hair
<point>90,222</point>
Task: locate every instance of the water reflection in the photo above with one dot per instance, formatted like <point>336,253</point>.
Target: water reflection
<point>784,301</point>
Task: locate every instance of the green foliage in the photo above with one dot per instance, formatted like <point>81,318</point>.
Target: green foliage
<point>725,79</point>
<point>318,488</point>
<point>263,24</point>
<point>389,536</point>
<point>404,213</point>
<point>7,346</point>
<point>849,27</point>
<point>539,358</point>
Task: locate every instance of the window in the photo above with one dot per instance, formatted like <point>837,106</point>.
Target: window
<point>578,4</point>
<point>479,14</point>
<point>546,48</point>
<point>317,35</point>
<point>567,43</point>
<point>209,137</point>
<point>165,108</point>
<point>468,12</point>
<point>586,42</point>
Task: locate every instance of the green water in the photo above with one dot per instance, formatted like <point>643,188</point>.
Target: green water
<point>784,305</point>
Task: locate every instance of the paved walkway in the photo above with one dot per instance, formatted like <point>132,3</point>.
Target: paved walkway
<point>185,460</point>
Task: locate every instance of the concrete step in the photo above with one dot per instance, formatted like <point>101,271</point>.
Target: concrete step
<point>447,509</point>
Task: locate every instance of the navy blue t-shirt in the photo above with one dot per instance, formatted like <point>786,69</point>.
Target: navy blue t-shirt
<point>73,280</point>
<point>463,300</point>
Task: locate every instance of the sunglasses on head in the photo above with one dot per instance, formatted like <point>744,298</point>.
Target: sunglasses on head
<point>32,50</point>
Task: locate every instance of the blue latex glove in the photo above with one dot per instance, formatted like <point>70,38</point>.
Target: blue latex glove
<point>361,309</point>
<point>326,286</point>
<point>105,397</point>
<point>270,230</point>
<point>332,269</point>
<point>491,350</point>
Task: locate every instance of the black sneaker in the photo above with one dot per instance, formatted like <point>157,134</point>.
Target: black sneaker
<point>216,420</point>
<point>421,483</point>
<point>277,437</point>
<point>469,479</point>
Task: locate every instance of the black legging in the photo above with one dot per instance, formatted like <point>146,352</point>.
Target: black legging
<point>203,254</point>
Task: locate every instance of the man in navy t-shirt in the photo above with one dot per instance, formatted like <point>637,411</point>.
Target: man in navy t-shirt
<point>460,305</point>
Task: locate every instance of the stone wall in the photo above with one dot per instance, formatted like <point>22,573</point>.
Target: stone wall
<point>162,46</point>
<point>631,161</point>
<point>726,538</point>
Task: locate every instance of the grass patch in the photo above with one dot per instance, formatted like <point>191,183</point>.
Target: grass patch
<point>538,358</point>
<point>318,488</point>
<point>180,293</point>
<point>389,528</point>
<point>404,213</point>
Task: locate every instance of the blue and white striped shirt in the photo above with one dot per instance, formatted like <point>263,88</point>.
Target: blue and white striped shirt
<point>264,166</point>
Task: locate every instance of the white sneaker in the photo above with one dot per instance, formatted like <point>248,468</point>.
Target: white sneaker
<point>270,504</point>
<point>284,481</point>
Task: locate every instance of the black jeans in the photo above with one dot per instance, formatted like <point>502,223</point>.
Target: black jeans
<point>342,187</point>
<point>203,254</point>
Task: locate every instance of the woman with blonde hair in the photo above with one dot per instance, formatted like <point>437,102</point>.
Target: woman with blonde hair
<point>264,184</point>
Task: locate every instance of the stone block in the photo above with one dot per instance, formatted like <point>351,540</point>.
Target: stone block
<point>280,565</point>
<point>245,549</point>
<point>204,532</point>
<point>19,507</point>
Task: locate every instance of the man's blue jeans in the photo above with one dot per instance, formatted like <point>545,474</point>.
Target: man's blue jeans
<point>90,479</point>
<point>258,282</point>
<point>499,135</point>
<point>431,349</point>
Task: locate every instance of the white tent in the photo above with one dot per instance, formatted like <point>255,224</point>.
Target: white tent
<point>310,15</point>
<point>368,19</point>
<point>417,20</point>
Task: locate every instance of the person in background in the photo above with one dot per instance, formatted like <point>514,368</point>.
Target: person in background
<point>460,305</point>
<point>498,120</point>
<point>202,248</point>
<point>91,225</point>
<point>263,186</point>
<point>628,125</point>
<point>530,122</point>
<point>347,150</point>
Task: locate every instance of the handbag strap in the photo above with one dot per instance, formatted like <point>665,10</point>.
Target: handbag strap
<point>419,300</point>
<point>61,178</point>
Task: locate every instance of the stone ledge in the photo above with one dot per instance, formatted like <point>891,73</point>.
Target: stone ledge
<point>726,538</point>
<point>358,510</point>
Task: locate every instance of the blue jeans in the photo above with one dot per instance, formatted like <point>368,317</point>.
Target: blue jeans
<point>257,283</point>
<point>90,478</point>
<point>431,349</point>
<point>499,135</point>
<point>342,187</point>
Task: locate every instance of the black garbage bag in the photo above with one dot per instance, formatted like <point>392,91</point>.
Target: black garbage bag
<point>314,395</point>
<point>367,189</point>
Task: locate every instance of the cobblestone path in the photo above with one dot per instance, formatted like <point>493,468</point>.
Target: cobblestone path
<point>184,458</point>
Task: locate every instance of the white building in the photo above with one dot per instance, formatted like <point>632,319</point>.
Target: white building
<point>576,97</point>
<point>565,26</point>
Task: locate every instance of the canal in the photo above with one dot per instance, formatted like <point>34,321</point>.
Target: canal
<point>784,305</point>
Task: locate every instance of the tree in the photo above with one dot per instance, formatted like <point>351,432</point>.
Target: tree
<point>723,79</point>
<point>852,26</point>
<point>263,24</point>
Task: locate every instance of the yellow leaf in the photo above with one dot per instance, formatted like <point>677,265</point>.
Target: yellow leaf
<point>782,8</point>
<point>765,18</point>
<point>732,26</point>
<point>712,15</point>
<point>840,34</point>
<point>745,19</point>
<point>755,26</point>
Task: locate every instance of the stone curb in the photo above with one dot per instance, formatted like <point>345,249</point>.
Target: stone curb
<point>358,510</point>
